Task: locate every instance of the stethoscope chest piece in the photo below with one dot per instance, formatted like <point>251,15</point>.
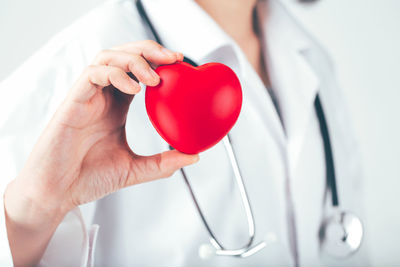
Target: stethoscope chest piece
<point>341,234</point>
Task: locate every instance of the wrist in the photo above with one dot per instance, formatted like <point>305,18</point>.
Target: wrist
<point>31,209</point>
<point>30,222</point>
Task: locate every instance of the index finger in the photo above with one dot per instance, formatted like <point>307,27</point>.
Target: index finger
<point>151,51</point>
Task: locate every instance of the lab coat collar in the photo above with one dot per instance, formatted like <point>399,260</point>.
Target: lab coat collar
<point>293,80</point>
<point>186,28</point>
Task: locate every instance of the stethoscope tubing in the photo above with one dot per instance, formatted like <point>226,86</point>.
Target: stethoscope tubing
<point>248,249</point>
<point>330,166</point>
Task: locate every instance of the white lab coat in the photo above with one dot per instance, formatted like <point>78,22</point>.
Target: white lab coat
<point>156,224</point>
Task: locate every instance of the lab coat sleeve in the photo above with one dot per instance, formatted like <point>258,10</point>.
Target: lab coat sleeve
<point>31,95</point>
<point>29,98</point>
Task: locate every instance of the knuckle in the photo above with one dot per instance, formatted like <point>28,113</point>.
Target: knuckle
<point>114,71</point>
<point>137,65</point>
<point>101,55</point>
<point>134,59</point>
<point>89,70</point>
<point>132,66</point>
<point>160,168</point>
<point>158,163</point>
<point>151,43</point>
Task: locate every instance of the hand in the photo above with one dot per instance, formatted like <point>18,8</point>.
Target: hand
<point>83,154</point>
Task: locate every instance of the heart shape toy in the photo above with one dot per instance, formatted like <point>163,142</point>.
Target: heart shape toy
<point>193,108</point>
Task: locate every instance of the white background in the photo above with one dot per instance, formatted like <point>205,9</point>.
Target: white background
<point>363,37</point>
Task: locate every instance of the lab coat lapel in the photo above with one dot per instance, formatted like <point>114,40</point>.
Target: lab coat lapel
<point>294,82</point>
<point>346,154</point>
<point>298,109</point>
<point>257,101</point>
<point>346,159</point>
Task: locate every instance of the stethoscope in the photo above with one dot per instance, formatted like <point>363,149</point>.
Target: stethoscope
<point>340,234</point>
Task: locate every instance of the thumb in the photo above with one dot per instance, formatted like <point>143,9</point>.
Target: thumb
<point>148,168</point>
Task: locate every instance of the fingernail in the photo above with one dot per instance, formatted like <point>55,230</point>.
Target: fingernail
<point>179,56</point>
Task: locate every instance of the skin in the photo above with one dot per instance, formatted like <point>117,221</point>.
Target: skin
<point>236,18</point>
<point>83,155</point>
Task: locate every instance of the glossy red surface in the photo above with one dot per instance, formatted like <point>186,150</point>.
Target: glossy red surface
<point>193,108</point>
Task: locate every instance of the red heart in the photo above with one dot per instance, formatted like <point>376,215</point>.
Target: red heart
<point>193,108</point>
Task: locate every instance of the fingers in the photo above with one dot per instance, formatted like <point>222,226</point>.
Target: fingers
<point>96,77</point>
<point>148,168</point>
<point>151,51</point>
<point>110,68</point>
<point>133,63</point>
